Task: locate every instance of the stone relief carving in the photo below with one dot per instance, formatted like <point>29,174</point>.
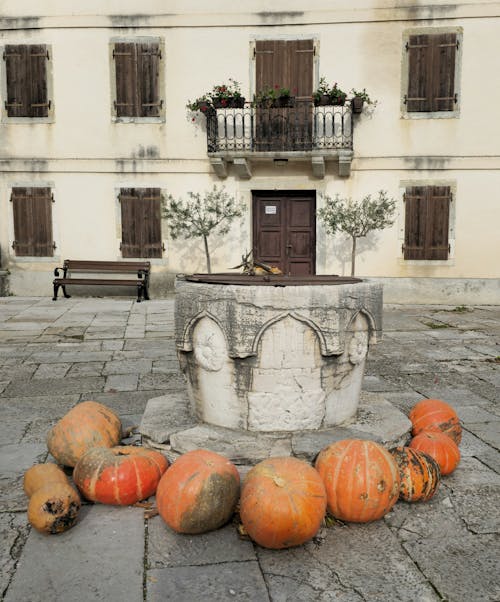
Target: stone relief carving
<point>358,347</point>
<point>209,345</point>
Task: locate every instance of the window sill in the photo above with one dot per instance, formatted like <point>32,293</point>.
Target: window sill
<point>430,115</point>
<point>160,119</point>
<point>27,120</point>
<point>428,262</point>
<point>28,259</point>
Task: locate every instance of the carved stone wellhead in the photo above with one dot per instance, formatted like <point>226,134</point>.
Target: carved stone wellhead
<point>288,357</point>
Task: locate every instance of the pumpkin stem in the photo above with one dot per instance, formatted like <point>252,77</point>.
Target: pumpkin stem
<point>279,481</point>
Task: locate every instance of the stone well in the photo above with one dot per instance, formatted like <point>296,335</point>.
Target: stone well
<point>274,366</point>
<point>275,358</point>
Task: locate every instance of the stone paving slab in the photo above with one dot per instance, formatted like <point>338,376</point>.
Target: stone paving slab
<point>166,548</point>
<point>101,558</point>
<point>216,582</point>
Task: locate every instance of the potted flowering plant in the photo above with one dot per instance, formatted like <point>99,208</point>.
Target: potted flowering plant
<point>226,96</point>
<point>203,104</point>
<point>222,96</point>
<point>359,98</point>
<point>328,95</point>
<point>277,96</point>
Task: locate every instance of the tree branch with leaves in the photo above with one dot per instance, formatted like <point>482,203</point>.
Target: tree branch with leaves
<point>201,215</point>
<point>357,218</point>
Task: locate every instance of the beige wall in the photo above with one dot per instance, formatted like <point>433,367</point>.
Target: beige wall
<point>86,157</point>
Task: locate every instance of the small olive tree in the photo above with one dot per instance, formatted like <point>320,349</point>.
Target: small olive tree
<point>357,218</point>
<point>200,216</point>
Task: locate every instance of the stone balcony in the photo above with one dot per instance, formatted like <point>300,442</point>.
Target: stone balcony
<point>300,132</point>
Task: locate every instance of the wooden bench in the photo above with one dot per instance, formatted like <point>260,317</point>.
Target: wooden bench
<point>141,269</point>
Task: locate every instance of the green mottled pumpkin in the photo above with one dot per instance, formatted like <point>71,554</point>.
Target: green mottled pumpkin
<point>199,492</point>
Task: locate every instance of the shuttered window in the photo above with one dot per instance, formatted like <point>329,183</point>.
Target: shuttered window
<point>32,208</point>
<point>141,222</point>
<point>285,64</point>
<point>427,211</point>
<point>26,78</point>
<point>431,72</point>
<point>137,72</point>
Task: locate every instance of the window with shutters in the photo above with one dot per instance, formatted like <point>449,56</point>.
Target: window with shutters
<point>431,64</point>
<point>32,216</point>
<point>427,222</point>
<point>137,71</point>
<point>26,83</point>
<point>141,222</point>
<point>285,64</point>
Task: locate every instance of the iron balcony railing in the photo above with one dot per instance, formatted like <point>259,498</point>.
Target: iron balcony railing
<point>300,127</point>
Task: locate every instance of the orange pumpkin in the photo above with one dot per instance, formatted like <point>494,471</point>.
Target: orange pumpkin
<point>435,415</point>
<point>361,479</point>
<point>440,447</point>
<point>199,492</point>
<point>119,475</point>
<point>419,474</point>
<point>283,501</point>
<point>89,424</point>
<point>54,503</point>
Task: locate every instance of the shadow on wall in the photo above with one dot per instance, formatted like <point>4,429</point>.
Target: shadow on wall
<point>338,252</point>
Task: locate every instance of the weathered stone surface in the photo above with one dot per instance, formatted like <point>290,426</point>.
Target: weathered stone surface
<point>14,461</point>
<point>221,582</point>
<point>475,494</point>
<point>166,548</point>
<point>242,447</point>
<point>166,415</point>
<point>100,558</point>
<point>381,571</point>
<point>13,534</point>
<point>167,420</point>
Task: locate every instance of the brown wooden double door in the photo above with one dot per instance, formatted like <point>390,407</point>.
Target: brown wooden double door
<point>284,230</point>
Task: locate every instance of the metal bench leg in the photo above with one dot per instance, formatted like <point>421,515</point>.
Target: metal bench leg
<point>64,292</point>
<point>56,288</point>
<point>139,293</point>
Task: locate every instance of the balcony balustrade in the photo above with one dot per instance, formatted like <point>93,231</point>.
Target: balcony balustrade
<point>300,131</point>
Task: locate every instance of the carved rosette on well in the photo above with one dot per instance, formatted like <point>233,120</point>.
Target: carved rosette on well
<point>275,358</point>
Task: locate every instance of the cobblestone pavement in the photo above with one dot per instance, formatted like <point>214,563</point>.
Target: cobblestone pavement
<point>113,350</point>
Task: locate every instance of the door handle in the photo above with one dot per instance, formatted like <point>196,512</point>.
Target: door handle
<point>288,248</point>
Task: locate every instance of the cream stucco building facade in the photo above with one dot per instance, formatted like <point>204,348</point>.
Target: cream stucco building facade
<point>85,154</point>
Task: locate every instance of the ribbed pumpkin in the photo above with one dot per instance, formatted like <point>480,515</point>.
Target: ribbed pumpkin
<point>283,501</point>
<point>435,415</point>
<point>119,475</point>
<point>361,479</point>
<point>199,492</point>
<point>89,424</point>
<point>54,503</point>
<point>440,447</point>
<point>419,474</point>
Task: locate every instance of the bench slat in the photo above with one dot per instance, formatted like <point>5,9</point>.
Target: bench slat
<point>113,282</point>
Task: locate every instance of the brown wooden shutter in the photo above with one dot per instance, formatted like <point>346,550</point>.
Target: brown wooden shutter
<point>427,211</point>
<point>39,101</point>
<point>127,100</point>
<point>438,212</point>
<point>141,222</point>
<point>431,72</point>
<point>287,64</point>
<point>418,98</point>
<point>415,215</point>
<point>32,209</point>
<point>443,71</point>
<point>148,76</point>
<point>26,69</point>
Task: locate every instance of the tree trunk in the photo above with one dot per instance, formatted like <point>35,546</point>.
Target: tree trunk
<point>353,256</point>
<point>207,254</point>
